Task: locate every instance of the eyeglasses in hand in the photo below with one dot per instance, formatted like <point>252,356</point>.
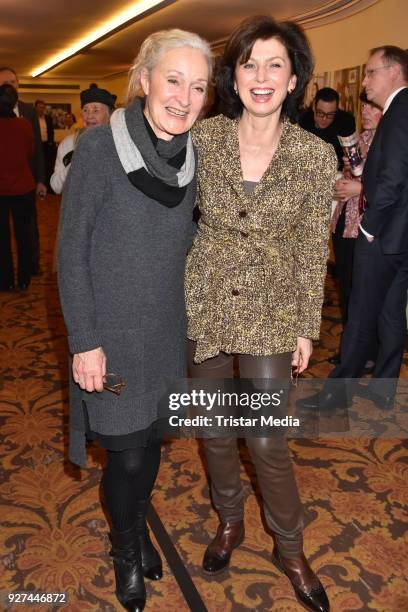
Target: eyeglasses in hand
<point>114,383</point>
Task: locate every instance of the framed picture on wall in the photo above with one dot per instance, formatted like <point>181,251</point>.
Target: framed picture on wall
<point>57,111</point>
<point>319,80</point>
<point>347,83</point>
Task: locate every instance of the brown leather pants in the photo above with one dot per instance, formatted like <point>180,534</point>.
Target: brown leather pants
<point>274,470</point>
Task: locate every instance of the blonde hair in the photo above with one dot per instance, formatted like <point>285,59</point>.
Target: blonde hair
<point>153,47</point>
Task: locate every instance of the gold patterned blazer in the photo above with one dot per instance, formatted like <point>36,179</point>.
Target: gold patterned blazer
<point>255,273</point>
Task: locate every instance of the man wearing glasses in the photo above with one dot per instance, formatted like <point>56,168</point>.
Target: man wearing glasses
<point>326,120</point>
<point>380,272</point>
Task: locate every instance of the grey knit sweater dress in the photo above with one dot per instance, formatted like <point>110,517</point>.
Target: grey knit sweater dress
<point>121,258</point>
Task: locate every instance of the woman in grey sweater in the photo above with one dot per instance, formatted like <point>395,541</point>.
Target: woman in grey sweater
<point>126,227</point>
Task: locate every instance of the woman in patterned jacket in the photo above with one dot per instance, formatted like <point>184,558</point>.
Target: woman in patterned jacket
<point>255,274</point>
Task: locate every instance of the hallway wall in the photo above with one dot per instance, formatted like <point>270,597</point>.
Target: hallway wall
<point>342,44</point>
<point>338,45</point>
<point>346,43</point>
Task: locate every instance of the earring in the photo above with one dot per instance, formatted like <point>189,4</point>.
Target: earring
<point>236,89</point>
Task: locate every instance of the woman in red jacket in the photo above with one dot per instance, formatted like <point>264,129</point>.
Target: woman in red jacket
<point>17,190</point>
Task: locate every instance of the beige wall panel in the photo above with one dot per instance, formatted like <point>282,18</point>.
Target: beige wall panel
<point>346,43</point>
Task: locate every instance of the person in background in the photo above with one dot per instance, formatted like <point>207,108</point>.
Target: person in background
<point>377,305</point>
<point>96,107</point>
<point>23,109</point>
<point>17,191</point>
<point>126,227</point>
<point>327,121</point>
<point>346,218</point>
<point>255,274</point>
<point>47,138</point>
<point>69,121</point>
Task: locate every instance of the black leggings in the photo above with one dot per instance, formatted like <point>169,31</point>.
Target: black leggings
<point>129,477</point>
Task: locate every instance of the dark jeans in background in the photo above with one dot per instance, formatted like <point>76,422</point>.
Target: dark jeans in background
<point>21,208</point>
<point>343,253</point>
<point>34,238</point>
<point>344,259</point>
<point>49,153</point>
<point>376,311</point>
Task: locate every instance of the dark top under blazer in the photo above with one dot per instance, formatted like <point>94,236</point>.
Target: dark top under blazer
<point>50,130</point>
<point>385,179</point>
<point>343,125</point>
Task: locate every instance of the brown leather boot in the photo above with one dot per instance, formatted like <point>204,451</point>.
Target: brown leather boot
<point>308,588</point>
<point>218,553</point>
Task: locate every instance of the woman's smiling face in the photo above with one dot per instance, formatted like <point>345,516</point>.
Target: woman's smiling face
<point>175,91</point>
<point>264,80</point>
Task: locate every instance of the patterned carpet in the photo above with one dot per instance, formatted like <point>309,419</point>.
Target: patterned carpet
<point>53,536</point>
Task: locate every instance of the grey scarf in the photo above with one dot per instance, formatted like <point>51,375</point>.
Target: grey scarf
<point>150,162</point>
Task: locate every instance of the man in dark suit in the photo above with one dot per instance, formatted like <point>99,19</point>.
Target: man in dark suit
<point>380,275</point>
<point>327,121</point>
<point>47,139</point>
<point>8,75</point>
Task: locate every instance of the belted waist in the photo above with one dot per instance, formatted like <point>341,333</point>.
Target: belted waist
<point>237,246</point>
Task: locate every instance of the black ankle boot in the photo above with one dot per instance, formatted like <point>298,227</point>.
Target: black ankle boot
<point>127,562</point>
<point>151,561</point>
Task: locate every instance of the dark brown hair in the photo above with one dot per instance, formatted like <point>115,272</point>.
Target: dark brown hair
<point>8,98</point>
<point>327,94</point>
<point>394,55</point>
<point>238,49</point>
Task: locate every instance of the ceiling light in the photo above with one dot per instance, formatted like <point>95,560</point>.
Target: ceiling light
<point>136,10</point>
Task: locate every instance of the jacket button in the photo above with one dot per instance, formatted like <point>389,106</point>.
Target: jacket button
<point>244,234</point>
<point>242,214</point>
<point>235,292</point>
